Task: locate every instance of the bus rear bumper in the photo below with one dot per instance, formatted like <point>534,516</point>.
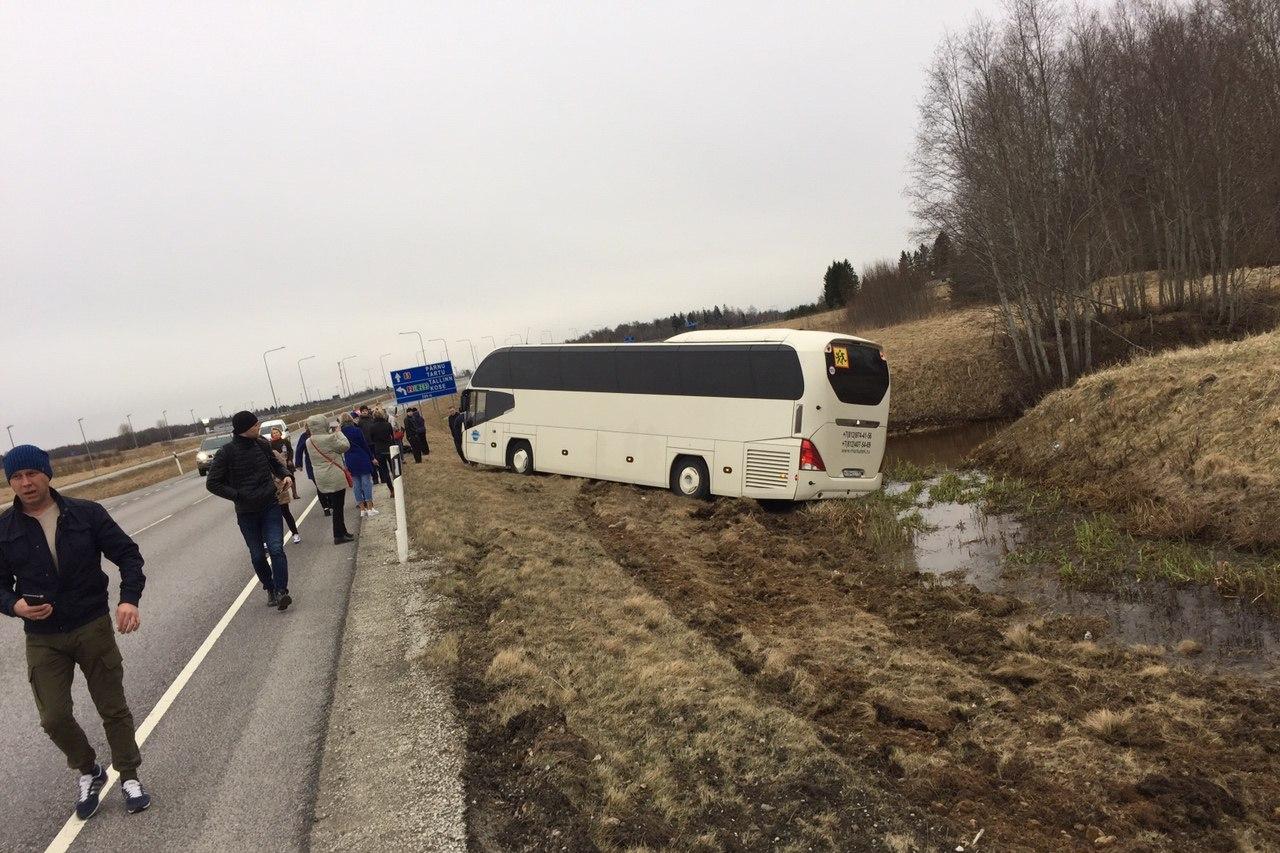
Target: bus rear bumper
<point>816,485</point>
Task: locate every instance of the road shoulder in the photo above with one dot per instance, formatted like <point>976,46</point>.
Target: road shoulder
<point>391,773</point>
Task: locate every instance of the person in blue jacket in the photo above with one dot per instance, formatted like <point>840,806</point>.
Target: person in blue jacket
<point>360,463</point>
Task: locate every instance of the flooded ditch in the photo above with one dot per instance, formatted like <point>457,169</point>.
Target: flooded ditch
<point>963,543</point>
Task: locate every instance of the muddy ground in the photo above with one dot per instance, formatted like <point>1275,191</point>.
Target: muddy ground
<point>639,671</point>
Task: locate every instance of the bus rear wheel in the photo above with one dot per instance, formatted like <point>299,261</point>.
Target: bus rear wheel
<point>689,478</point>
<point>520,457</point>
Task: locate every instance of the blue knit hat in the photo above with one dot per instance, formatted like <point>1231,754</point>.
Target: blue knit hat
<point>26,457</point>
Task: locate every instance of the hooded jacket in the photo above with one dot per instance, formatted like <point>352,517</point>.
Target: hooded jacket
<point>328,472</point>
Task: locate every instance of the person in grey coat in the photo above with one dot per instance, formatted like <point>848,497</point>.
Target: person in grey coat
<point>327,450</point>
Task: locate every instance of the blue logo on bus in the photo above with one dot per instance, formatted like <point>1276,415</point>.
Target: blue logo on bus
<point>475,435</point>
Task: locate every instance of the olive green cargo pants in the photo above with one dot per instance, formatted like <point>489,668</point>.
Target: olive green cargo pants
<point>51,663</point>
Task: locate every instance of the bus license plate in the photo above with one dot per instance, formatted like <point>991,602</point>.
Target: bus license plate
<point>840,356</point>
<point>852,472</point>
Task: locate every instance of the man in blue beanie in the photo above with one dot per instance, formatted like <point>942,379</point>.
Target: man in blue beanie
<point>51,550</point>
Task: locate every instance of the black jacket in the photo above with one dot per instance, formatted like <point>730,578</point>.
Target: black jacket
<point>245,471</point>
<point>456,421</point>
<point>381,436</point>
<point>77,588</point>
<point>415,423</point>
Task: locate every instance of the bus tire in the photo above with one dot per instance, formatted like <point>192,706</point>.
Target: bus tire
<point>520,457</point>
<point>689,478</point>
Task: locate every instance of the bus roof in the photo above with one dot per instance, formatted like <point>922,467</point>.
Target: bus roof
<point>799,338</point>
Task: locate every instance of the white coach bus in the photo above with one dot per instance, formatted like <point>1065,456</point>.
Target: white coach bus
<point>761,413</point>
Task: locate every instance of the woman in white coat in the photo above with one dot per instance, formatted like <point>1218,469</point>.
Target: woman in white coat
<point>326,449</point>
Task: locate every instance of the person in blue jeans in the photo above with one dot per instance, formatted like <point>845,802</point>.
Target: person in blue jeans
<point>245,471</point>
<point>360,462</point>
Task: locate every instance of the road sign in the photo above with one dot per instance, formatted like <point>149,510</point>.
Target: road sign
<point>424,382</point>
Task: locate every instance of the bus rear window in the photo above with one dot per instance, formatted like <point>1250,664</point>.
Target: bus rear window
<point>858,373</point>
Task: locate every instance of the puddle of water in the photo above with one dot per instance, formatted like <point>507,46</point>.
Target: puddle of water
<point>967,544</point>
<point>949,446</point>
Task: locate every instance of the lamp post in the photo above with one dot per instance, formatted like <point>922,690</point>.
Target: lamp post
<point>301,379</point>
<point>475,363</point>
<point>92,464</point>
<point>345,377</point>
<point>421,346</point>
<point>10,429</point>
<point>368,377</point>
<point>386,377</point>
<point>132,434</point>
<point>275,404</point>
<point>164,413</point>
<point>221,413</point>
<point>550,336</point>
<point>193,415</point>
<point>493,345</point>
<point>446,347</point>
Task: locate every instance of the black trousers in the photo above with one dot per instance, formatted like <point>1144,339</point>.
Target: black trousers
<point>337,501</point>
<point>288,518</point>
<point>384,470</point>
<point>457,443</point>
<point>418,444</point>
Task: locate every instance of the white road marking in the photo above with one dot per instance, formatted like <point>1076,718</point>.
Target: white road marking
<point>151,525</point>
<point>63,840</point>
<point>201,500</point>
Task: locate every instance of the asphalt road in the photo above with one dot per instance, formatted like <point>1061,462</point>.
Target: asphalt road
<point>233,762</point>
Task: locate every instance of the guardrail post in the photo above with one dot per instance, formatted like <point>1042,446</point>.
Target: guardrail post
<point>178,462</point>
<point>402,523</point>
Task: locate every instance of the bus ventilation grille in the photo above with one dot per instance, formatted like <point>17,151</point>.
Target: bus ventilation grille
<point>767,469</point>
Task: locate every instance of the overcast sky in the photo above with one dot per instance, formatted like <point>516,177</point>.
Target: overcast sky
<point>185,185</point>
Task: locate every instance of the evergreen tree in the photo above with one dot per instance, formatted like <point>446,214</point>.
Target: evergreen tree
<point>839,284</point>
<point>941,256</point>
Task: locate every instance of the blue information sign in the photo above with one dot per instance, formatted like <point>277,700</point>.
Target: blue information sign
<point>423,383</point>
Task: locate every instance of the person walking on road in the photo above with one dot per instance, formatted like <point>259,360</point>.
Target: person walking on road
<point>245,471</point>
<point>284,447</point>
<point>381,437</point>
<point>328,450</point>
<point>359,459</point>
<point>415,429</point>
<point>285,493</point>
<point>302,459</point>
<point>456,422</point>
<point>51,550</point>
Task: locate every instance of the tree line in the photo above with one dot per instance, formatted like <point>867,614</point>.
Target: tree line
<point>1086,163</point>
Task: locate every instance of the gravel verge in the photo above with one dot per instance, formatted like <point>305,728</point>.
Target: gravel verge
<point>391,770</point>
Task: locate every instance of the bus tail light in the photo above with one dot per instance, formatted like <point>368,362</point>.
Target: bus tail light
<point>810,459</point>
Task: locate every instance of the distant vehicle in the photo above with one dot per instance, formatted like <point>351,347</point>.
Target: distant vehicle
<point>775,414</point>
<point>209,447</point>
<point>265,432</point>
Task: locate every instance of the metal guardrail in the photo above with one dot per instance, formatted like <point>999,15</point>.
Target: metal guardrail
<point>173,457</point>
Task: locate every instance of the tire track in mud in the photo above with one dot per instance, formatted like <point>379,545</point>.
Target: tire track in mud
<point>958,702</point>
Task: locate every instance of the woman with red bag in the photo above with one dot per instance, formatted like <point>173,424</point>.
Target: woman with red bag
<point>327,450</point>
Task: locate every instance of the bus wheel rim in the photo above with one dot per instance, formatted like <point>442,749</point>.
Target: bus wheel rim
<point>521,459</point>
<point>689,480</point>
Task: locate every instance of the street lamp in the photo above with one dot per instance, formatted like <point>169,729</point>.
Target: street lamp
<point>446,347</point>
<point>132,434</point>
<point>92,463</point>
<point>386,377</point>
<point>550,336</point>
<point>345,377</point>
<point>475,363</point>
<point>301,379</point>
<point>275,404</point>
<point>421,346</point>
<point>193,415</point>
<point>515,335</point>
<point>10,429</point>
<point>368,376</point>
<point>221,413</point>
<point>164,413</point>
<point>493,345</point>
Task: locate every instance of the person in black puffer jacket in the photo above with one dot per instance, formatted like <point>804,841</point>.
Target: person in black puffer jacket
<point>245,472</point>
<point>382,436</point>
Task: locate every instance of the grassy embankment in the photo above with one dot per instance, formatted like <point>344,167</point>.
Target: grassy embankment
<point>1179,446</point>
<point>638,671</point>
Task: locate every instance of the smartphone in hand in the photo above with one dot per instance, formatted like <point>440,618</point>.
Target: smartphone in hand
<point>34,600</point>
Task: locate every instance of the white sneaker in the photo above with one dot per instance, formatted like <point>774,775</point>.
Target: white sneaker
<point>296,539</point>
<point>363,513</point>
<point>373,512</point>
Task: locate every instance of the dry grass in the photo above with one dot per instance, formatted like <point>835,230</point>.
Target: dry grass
<point>1181,444</point>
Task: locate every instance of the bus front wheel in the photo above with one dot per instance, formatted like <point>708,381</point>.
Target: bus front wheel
<point>520,457</point>
<point>689,478</point>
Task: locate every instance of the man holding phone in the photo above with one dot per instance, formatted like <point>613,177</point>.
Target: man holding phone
<point>51,577</point>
